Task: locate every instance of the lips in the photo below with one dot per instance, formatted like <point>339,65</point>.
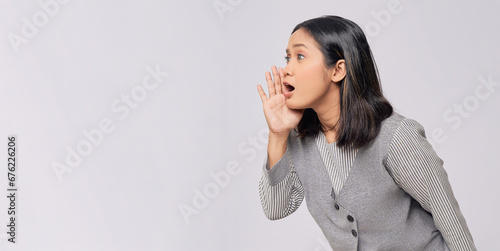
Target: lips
<point>288,87</point>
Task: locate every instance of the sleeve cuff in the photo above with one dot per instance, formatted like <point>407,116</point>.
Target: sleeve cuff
<point>280,170</point>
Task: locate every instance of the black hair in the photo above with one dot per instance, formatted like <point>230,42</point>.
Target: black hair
<point>363,107</point>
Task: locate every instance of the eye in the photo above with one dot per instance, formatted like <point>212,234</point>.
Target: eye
<point>300,56</point>
<point>287,58</point>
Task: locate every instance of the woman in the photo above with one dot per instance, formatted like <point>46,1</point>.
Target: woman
<point>371,179</point>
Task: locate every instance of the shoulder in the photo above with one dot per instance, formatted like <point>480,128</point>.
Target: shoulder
<point>410,153</point>
<point>398,124</point>
<point>408,129</point>
<point>393,121</point>
<point>409,139</point>
<point>400,133</point>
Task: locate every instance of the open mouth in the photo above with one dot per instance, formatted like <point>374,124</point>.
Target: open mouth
<point>288,87</point>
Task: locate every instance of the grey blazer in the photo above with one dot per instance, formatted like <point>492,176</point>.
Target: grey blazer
<point>371,212</point>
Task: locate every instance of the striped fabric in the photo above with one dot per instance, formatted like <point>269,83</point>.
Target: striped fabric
<point>416,170</point>
<point>339,169</point>
<point>282,199</point>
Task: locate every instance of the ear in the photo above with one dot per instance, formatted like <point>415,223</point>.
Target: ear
<point>339,71</point>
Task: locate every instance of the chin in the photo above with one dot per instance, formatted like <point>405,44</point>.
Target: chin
<point>293,105</point>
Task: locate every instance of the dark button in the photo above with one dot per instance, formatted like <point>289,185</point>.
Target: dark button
<point>354,233</point>
<point>349,218</point>
<point>336,206</point>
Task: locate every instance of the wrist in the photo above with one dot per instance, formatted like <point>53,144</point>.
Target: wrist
<point>278,136</point>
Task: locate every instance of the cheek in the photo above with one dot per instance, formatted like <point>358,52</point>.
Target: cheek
<point>314,78</point>
<point>312,84</point>
<point>314,72</point>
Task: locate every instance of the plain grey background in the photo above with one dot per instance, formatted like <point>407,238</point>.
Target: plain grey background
<point>194,141</point>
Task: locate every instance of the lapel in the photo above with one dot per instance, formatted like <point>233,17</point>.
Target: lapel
<point>328,161</point>
<point>311,170</point>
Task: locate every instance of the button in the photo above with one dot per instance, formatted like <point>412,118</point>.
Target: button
<point>336,206</point>
<point>349,218</point>
<point>354,233</point>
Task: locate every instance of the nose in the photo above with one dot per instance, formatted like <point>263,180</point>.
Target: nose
<point>288,70</point>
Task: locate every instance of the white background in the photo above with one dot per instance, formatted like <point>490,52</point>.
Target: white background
<point>126,192</point>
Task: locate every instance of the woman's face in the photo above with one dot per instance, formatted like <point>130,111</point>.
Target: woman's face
<point>307,73</point>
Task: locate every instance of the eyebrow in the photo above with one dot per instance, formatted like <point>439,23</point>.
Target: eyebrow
<point>296,45</point>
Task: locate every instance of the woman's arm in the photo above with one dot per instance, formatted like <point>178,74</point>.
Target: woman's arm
<point>418,170</point>
<point>280,190</point>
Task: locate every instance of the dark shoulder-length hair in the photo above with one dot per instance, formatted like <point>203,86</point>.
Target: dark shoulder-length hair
<point>362,104</point>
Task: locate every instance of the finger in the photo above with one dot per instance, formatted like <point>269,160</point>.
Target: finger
<point>270,85</point>
<point>263,96</point>
<point>282,77</point>
<point>277,80</point>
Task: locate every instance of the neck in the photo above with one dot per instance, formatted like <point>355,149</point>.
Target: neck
<point>328,110</point>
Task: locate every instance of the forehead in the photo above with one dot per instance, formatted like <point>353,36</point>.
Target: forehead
<point>301,37</point>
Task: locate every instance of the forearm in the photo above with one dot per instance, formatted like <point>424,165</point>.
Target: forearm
<point>276,147</point>
<point>281,199</point>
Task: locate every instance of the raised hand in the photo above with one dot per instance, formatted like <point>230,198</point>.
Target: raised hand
<point>280,119</point>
